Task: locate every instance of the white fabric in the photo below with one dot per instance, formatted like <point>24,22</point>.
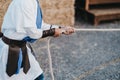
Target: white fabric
<point>20,19</point>
<point>19,22</point>
<point>33,72</point>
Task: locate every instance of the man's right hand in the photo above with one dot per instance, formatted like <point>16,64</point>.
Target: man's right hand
<point>58,32</point>
<point>64,30</point>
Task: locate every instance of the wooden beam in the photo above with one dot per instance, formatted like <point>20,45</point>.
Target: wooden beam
<point>87,5</point>
<point>93,2</point>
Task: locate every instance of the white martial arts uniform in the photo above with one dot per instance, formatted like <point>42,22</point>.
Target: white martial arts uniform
<point>19,22</point>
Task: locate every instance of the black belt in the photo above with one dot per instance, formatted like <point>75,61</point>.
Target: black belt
<point>13,55</point>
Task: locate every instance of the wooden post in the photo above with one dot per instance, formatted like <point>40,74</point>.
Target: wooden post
<point>87,5</point>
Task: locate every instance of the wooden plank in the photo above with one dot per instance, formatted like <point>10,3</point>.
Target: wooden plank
<point>97,19</point>
<point>87,5</point>
<point>93,2</point>
<point>99,12</point>
<point>105,14</point>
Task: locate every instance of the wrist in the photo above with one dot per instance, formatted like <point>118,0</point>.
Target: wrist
<point>47,33</point>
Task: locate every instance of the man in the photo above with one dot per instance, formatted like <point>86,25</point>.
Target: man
<point>23,23</point>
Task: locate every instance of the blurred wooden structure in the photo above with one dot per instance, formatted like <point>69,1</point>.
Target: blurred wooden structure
<point>100,10</point>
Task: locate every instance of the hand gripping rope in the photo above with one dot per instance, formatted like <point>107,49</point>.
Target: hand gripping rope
<point>76,30</point>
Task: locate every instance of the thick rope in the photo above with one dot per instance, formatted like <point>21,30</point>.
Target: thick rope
<point>50,59</point>
<point>80,29</point>
<point>76,29</point>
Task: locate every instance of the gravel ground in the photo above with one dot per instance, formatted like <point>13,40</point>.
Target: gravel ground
<point>82,55</point>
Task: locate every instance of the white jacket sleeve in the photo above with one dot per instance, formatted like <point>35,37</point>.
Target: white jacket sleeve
<point>29,19</point>
<point>30,14</point>
<point>46,26</point>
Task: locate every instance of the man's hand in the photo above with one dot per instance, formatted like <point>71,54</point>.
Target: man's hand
<point>63,30</point>
<point>67,30</point>
<point>58,32</point>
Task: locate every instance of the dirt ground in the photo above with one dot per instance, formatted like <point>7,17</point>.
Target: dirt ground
<point>82,55</point>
